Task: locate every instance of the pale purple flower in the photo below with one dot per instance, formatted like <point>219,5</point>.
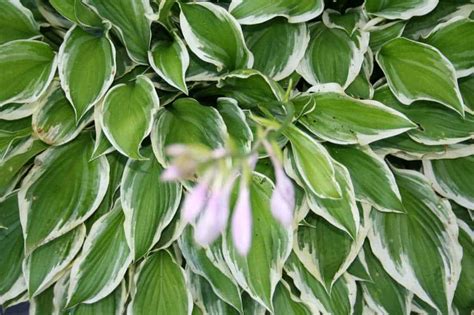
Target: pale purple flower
<point>195,201</point>
<point>214,217</point>
<point>242,221</point>
<point>172,173</point>
<point>283,198</point>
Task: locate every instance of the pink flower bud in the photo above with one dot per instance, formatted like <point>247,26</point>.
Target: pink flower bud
<point>242,221</point>
<point>172,173</point>
<point>195,201</point>
<point>283,198</point>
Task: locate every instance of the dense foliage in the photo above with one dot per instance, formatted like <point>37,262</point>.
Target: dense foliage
<point>237,157</point>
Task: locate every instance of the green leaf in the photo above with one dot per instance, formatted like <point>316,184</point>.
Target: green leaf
<point>259,272</point>
<point>333,56</point>
<point>341,119</point>
<point>314,164</point>
<point>12,282</point>
<point>13,164</point>
<point>204,126</point>
<point>384,294</point>
<point>214,36</point>
<point>466,86</point>
<point>77,12</point>
<point>372,178</point>
<point>259,11</point>
<point>47,262</point>
<point>12,133</point>
<point>419,248</point>
<point>236,123</point>
<point>80,183</point>
<point>127,115</point>
<point>170,59</point>
<point>28,67</point>
<point>250,88</point>
<point>160,287</point>
<point>403,61</point>
<point>103,262</point>
<point>381,34</point>
<point>463,299</point>
<point>452,178</point>
<point>324,250</point>
<point>43,303</point>
<point>277,46</point>
<point>452,38</point>
<point>342,212</point>
<point>148,203</point>
<point>286,303</point>
<point>436,124</point>
<point>219,277</point>
<point>349,21</point>
<point>16,111</point>
<point>16,22</point>
<point>205,297</point>
<point>54,120</point>
<point>339,301</point>
<point>86,68</point>
<point>131,20</point>
<point>399,9</point>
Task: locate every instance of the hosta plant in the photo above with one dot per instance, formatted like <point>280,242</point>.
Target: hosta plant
<point>237,157</point>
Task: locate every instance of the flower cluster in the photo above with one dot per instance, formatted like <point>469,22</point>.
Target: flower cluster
<point>207,204</point>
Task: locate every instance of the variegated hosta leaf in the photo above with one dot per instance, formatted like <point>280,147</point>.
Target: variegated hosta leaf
<point>103,261</point>
<point>159,287</point>
<point>384,294</point>
<point>452,178</point>
<point>13,133</point>
<point>16,111</point>
<point>277,46</point>
<point>205,297</point>
<point>286,303</point>
<point>361,87</point>
<point>28,66</point>
<point>349,21</point>
<point>339,301</point>
<point>419,248</point>
<point>131,21</point>
<point>223,284</point>
<point>466,86</point>
<point>47,262</point>
<point>437,125</point>
<point>372,178</point>
<point>12,282</point>
<point>114,303</point>
<point>43,303</point>
<point>187,122</point>
<point>80,183</point>
<point>16,22</point>
<point>403,61</point>
<point>452,38</point>
<point>463,299</point>
<point>399,9</point>
<point>127,115</point>
<point>313,164</point>
<point>258,11</point>
<point>170,59</point>
<point>259,272</point>
<point>341,212</point>
<point>359,270</point>
<point>77,12</point>
<point>86,68</point>
<point>236,123</point>
<point>14,162</point>
<point>381,34</point>
<point>250,88</point>
<point>332,56</point>
<point>214,36</point>
<point>325,250</point>
<point>54,119</point>
<point>341,119</point>
<point>148,203</point>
